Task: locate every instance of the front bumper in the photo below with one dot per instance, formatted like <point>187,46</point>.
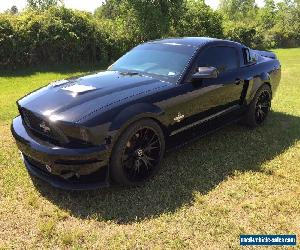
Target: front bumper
<point>66,168</point>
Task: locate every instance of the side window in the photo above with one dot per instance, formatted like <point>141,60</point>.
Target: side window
<point>249,56</point>
<point>222,58</point>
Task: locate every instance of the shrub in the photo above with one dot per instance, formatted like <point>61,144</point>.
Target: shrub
<point>58,35</point>
<point>244,33</point>
<point>7,38</point>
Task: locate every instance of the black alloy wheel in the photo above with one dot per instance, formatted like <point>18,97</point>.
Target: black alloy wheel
<point>138,152</point>
<point>259,107</point>
<point>263,106</point>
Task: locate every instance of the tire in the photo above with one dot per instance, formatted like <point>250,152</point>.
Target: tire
<point>137,154</point>
<point>259,107</point>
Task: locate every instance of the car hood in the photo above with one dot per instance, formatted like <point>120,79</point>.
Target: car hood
<point>70,100</point>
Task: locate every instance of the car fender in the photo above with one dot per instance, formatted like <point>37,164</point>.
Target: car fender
<point>133,113</point>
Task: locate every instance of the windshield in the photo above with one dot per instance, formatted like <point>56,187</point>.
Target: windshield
<point>162,60</point>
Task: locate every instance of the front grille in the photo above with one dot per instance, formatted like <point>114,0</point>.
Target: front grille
<point>32,121</point>
<point>41,128</point>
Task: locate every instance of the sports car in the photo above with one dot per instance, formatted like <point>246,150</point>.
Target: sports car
<point>114,126</point>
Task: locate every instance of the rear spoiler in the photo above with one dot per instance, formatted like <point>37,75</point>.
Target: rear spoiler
<point>268,54</point>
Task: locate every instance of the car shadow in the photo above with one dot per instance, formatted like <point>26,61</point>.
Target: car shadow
<point>198,166</point>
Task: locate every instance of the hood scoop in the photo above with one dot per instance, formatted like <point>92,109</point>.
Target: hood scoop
<point>78,88</point>
<point>58,83</point>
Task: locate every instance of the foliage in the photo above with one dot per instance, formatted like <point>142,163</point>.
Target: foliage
<point>57,35</point>
<point>274,25</point>
<point>7,34</point>
<point>134,22</point>
<point>250,35</point>
<point>286,28</point>
<point>198,19</point>
<point>154,18</point>
<point>14,10</point>
<point>46,33</point>
<point>42,5</point>
<point>130,22</point>
<point>238,9</point>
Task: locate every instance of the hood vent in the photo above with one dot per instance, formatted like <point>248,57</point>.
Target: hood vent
<point>78,88</point>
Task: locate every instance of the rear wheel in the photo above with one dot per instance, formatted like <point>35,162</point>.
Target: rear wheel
<point>137,153</point>
<point>260,107</point>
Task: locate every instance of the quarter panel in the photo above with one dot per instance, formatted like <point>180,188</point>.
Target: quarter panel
<point>265,71</point>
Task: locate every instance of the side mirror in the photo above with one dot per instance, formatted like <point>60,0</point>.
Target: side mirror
<point>205,72</point>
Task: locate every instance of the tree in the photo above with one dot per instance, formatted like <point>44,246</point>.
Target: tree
<point>198,19</point>
<point>42,5</point>
<point>109,10</point>
<point>287,24</point>
<point>238,9</point>
<point>14,10</point>
<point>267,14</point>
<point>155,17</point>
<point>141,20</point>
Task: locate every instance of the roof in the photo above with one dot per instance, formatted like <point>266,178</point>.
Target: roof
<point>192,41</point>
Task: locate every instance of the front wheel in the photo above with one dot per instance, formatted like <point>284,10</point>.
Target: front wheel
<point>137,153</point>
<point>260,107</point>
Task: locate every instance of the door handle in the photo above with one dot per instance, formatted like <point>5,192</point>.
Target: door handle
<point>238,81</point>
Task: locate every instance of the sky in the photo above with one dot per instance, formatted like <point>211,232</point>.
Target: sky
<point>88,5</point>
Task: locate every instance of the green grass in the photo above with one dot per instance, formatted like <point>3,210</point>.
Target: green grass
<point>208,193</point>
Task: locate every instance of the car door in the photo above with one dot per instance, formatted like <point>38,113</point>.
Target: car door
<point>225,91</point>
<point>203,100</point>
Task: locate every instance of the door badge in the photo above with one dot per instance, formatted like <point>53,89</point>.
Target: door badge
<point>179,117</point>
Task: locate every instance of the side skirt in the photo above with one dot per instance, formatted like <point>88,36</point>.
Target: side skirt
<point>201,129</point>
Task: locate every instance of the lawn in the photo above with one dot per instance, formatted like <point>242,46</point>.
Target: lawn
<point>236,181</point>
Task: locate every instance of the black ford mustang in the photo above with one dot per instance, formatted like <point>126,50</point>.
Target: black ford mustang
<point>83,132</point>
